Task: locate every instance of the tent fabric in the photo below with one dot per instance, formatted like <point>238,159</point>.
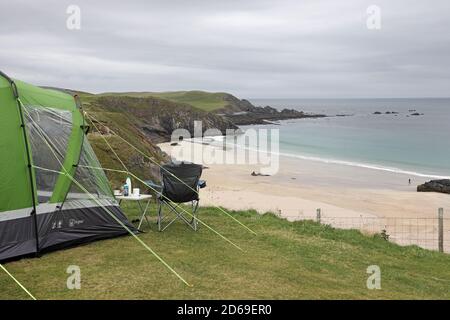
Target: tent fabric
<point>55,126</point>
<point>42,209</point>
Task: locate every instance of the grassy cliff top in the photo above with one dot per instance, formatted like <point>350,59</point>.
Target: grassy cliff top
<point>286,260</point>
<point>144,120</point>
<point>207,101</point>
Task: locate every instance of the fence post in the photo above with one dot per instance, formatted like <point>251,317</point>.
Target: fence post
<point>441,229</point>
<point>318,215</point>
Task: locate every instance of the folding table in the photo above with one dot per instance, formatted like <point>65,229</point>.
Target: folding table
<point>139,198</point>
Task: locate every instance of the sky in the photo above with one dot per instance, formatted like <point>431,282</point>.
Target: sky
<point>251,48</point>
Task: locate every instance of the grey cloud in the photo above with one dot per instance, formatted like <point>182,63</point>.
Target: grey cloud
<point>251,48</point>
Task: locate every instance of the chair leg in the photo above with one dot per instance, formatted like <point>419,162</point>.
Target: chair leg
<point>192,210</point>
<point>193,222</point>
<point>162,217</point>
<point>194,215</point>
<point>159,215</point>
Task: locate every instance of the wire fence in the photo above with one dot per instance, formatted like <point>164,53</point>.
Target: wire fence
<point>427,232</point>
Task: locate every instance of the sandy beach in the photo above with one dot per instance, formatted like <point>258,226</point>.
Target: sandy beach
<point>346,195</point>
<point>302,186</point>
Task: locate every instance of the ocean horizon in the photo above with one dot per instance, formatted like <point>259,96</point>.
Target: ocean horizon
<point>380,134</point>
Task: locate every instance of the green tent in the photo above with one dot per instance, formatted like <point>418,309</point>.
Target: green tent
<point>53,192</point>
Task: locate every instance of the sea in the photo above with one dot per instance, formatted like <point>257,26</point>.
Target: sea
<point>395,140</point>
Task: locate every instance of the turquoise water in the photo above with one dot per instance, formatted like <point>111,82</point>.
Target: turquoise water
<point>417,145</point>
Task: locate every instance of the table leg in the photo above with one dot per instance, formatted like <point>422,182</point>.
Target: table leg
<point>144,211</point>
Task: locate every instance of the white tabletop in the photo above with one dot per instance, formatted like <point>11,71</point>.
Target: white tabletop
<point>134,198</point>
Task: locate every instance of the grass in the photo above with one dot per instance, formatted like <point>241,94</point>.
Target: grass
<point>300,260</point>
<point>206,101</point>
<point>144,121</point>
<point>126,125</point>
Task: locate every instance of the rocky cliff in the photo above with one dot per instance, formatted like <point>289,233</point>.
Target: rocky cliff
<point>442,186</point>
<point>158,118</point>
<point>243,112</point>
<point>144,122</point>
<point>146,119</point>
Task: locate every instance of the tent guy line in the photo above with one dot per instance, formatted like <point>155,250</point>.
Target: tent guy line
<point>154,190</point>
<point>17,281</point>
<point>175,205</point>
<point>46,140</point>
<point>123,225</point>
<point>65,173</point>
<point>75,168</point>
<point>92,119</point>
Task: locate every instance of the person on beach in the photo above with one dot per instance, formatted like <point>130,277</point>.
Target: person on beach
<point>409,181</point>
<point>254,174</point>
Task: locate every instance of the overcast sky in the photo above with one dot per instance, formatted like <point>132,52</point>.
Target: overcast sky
<point>251,48</point>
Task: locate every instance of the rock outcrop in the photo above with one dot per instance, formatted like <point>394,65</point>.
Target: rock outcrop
<point>442,186</point>
<point>266,116</point>
<point>243,112</point>
<point>158,118</point>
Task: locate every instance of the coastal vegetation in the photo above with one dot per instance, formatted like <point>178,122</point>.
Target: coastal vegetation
<point>148,118</point>
<point>206,101</point>
<point>285,260</point>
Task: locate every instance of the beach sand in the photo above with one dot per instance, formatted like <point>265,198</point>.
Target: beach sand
<point>347,196</point>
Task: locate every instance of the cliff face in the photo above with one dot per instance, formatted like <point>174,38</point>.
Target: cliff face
<point>231,108</point>
<point>161,113</point>
<point>233,105</point>
<point>242,112</point>
<point>158,118</point>
<point>144,122</point>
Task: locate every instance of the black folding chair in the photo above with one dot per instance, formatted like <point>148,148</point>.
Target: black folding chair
<point>180,184</point>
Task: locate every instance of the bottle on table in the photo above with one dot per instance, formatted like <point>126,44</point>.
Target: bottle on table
<point>127,187</point>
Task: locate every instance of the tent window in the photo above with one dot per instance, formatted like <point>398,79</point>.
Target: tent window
<point>47,126</point>
<point>90,175</point>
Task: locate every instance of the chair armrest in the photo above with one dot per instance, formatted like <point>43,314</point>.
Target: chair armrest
<point>153,185</point>
<point>201,184</point>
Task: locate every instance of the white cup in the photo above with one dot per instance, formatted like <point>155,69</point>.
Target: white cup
<point>136,192</point>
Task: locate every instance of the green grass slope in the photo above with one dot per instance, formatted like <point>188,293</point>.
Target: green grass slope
<point>300,260</point>
<point>126,125</point>
<point>207,101</point>
<point>144,122</point>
